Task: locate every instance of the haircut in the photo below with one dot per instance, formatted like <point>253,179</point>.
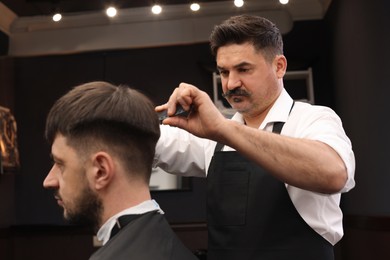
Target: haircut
<point>99,116</point>
<point>262,33</point>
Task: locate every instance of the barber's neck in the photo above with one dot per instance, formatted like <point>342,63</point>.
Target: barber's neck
<point>254,120</point>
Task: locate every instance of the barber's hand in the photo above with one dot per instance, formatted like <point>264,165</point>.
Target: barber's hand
<point>204,119</point>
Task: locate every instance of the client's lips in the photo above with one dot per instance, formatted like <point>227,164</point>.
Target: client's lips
<point>59,200</point>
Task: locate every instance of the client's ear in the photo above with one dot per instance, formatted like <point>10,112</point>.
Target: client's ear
<point>103,170</point>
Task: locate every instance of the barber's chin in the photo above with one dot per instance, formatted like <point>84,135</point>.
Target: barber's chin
<point>240,106</point>
<point>236,99</point>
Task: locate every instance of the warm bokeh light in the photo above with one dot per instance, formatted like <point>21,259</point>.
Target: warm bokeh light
<point>156,9</point>
<point>239,3</point>
<point>111,11</point>
<point>195,7</point>
<point>57,17</point>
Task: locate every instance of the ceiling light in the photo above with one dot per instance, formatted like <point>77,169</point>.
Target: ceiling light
<point>195,7</point>
<point>57,17</point>
<point>283,2</point>
<point>239,3</point>
<point>111,11</point>
<point>156,9</point>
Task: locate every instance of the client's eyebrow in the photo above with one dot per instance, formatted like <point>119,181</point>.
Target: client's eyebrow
<point>55,158</point>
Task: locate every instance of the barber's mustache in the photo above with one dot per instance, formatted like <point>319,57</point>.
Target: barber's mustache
<point>236,92</point>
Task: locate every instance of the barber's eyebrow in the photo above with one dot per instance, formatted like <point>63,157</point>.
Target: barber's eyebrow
<point>239,65</point>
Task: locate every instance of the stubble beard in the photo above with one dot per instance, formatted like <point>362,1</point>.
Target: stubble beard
<point>87,210</point>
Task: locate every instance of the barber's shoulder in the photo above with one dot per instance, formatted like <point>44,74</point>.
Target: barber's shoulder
<point>307,108</point>
<point>305,114</point>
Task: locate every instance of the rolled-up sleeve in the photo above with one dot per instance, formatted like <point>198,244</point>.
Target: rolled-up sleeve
<point>324,125</point>
<point>181,153</point>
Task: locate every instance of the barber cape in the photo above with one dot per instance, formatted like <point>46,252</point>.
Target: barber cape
<point>147,237</point>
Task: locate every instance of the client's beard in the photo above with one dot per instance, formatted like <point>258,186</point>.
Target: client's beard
<point>88,210</point>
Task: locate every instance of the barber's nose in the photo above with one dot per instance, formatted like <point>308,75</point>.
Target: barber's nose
<point>233,81</point>
<point>51,181</point>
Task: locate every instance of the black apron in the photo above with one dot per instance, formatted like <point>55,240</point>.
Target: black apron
<point>251,216</point>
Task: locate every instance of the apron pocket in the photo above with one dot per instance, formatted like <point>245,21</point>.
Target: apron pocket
<point>228,194</point>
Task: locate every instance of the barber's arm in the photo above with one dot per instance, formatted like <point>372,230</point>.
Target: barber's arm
<point>303,163</point>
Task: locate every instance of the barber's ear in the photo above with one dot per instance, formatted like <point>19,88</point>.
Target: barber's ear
<point>103,170</point>
<point>281,65</point>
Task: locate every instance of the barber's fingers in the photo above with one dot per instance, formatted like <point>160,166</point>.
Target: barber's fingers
<point>161,107</point>
<point>182,95</point>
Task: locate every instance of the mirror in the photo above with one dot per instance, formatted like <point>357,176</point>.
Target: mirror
<point>160,180</point>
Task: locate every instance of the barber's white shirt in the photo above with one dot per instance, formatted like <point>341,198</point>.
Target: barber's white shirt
<point>144,207</point>
<point>181,153</point>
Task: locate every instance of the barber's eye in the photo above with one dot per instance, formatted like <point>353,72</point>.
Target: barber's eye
<point>224,73</point>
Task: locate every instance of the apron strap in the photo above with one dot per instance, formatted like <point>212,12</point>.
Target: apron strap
<point>218,147</point>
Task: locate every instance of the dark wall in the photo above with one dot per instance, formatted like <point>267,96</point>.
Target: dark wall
<point>4,43</point>
<point>308,46</point>
<point>7,180</point>
<point>361,68</point>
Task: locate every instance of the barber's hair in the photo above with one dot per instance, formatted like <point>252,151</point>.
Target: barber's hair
<point>99,116</point>
<point>262,33</point>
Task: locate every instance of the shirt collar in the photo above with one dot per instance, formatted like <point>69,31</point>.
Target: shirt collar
<point>104,232</point>
<point>278,113</point>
